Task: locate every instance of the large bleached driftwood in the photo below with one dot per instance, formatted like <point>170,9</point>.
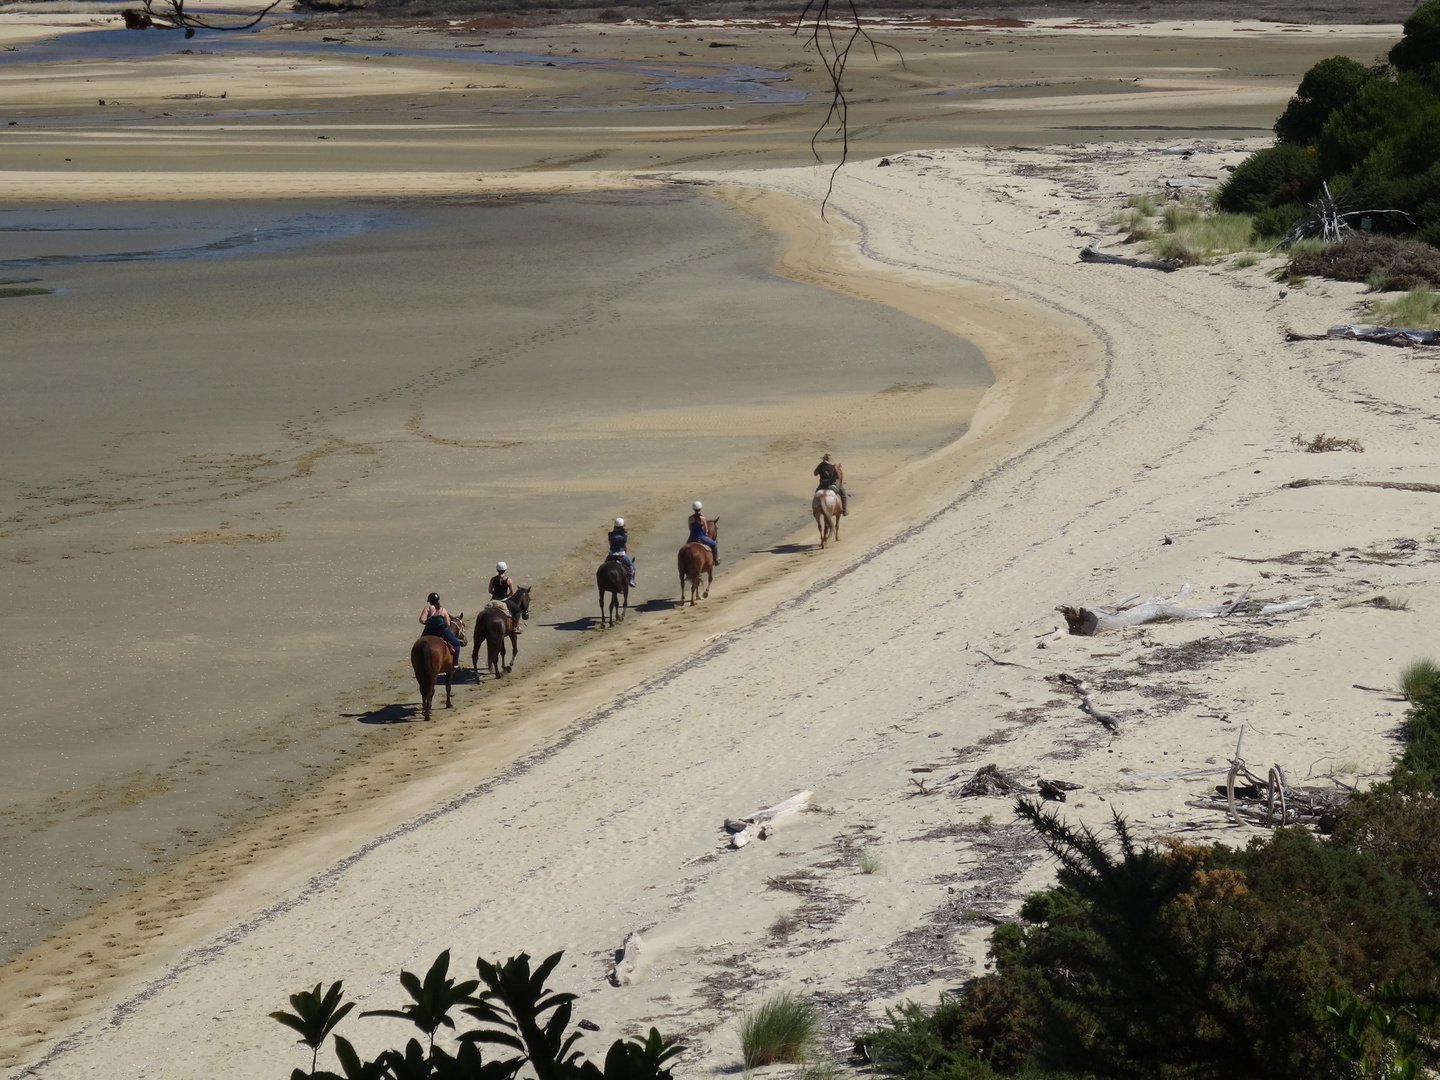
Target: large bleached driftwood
<point>761,823</point>
<point>1403,336</point>
<point>1089,621</point>
<point>624,971</point>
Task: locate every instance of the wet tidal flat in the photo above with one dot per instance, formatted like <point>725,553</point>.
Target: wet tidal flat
<point>234,467</point>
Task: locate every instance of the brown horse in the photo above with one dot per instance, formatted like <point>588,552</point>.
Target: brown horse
<point>612,577</point>
<point>826,507</point>
<point>696,559</point>
<point>493,625</point>
<point>432,657</point>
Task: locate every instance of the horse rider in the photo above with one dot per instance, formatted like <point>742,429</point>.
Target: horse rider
<point>832,478</point>
<point>501,589</point>
<point>619,540</point>
<point>698,535</point>
<point>436,621</point>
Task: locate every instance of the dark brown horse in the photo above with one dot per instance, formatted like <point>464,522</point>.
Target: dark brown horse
<point>432,657</point>
<point>696,559</point>
<point>612,577</point>
<point>493,625</point>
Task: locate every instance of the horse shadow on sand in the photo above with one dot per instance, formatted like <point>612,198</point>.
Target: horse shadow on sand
<point>387,714</point>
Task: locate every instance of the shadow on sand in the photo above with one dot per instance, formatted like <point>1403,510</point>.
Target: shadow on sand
<point>786,549</point>
<point>386,714</point>
<point>585,622</point>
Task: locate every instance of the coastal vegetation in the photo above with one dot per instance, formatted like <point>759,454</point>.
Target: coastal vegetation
<point>1295,956</point>
<point>516,1012</point>
<point>783,1028</point>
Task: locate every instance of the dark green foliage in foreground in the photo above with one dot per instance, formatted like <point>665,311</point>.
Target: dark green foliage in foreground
<point>513,1014</point>
<point>1280,175</point>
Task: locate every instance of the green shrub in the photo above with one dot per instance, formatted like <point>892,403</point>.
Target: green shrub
<point>1329,85</point>
<point>1419,49</point>
<point>782,1028</point>
<point>1385,263</point>
<point>1275,221</point>
<point>925,1046</point>
<point>1401,829</point>
<point>1418,308</point>
<point>1279,175</point>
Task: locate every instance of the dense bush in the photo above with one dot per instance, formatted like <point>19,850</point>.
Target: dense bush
<point>1329,85</point>
<point>1276,176</point>
<point>1419,49</point>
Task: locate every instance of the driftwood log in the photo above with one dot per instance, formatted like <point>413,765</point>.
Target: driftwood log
<point>1089,621</point>
<point>1393,485</point>
<point>1092,254</point>
<point>1269,800</point>
<point>760,824</point>
<point>1403,336</point>
<point>623,974</point>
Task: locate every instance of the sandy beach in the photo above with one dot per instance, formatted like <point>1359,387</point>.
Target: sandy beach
<point>1126,431</point>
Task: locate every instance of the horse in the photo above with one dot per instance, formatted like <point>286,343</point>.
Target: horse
<point>432,657</point>
<point>826,507</point>
<point>611,576</point>
<point>695,559</point>
<point>494,624</point>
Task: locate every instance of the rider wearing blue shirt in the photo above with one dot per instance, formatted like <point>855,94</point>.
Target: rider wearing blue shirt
<point>619,540</point>
<point>698,535</point>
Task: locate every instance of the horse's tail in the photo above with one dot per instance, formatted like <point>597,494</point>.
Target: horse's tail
<point>420,655</point>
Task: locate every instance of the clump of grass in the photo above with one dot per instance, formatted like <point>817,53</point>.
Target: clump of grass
<point>987,819</point>
<point>867,862</point>
<point>1134,223</point>
<point>1144,203</point>
<point>819,1069</point>
<point>1418,678</point>
<point>1390,603</point>
<point>784,1028</point>
<point>784,925</point>
<point>1324,444</point>
<point>1419,308</point>
<point>1192,236</point>
<point>1247,260</point>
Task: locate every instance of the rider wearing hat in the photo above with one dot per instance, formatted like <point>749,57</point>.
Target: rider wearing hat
<point>832,477</point>
<point>501,589</point>
<point>698,535</point>
<point>436,621</point>
<point>619,540</point>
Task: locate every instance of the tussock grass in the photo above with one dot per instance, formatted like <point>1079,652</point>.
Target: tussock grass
<point>1134,223</point>
<point>1418,678</point>
<point>1419,309</point>
<point>1193,237</point>
<point>1324,444</point>
<point>1247,260</point>
<point>784,1028</point>
<point>1391,603</point>
<point>1147,204</point>
<point>867,862</point>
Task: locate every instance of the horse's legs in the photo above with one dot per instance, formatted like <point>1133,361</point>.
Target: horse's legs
<point>602,604</point>
<point>709,580</point>
<point>447,690</point>
<point>626,609</point>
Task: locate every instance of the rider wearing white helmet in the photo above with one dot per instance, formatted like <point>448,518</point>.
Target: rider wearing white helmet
<point>619,540</point>
<point>698,535</point>
<point>501,589</point>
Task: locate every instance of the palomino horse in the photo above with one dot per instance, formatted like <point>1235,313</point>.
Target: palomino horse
<point>696,559</point>
<point>494,624</point>
<point>432,657</point>
<point>826,507</point>
<point>612,577</point>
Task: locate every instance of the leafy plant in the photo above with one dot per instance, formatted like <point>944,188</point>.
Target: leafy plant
<point>315,1016</point>
<point>516,1011</point>
<point>1420,679</point>
<point>782,1028</point>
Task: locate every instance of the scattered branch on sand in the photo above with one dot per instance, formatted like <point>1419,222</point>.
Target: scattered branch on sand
<point>623,973</point>
<point>1054,790</point>
<point>1393,485</point>
<point>1268,800</point>
<point>1087,622</point>
<point>1403,336</point>
<point>989,780</point>
<point>930,787</point>
<point>763,821</point>
<point>1092,254</point>
<point>1110,720</point>
<point>172,15</point>
<point>1001,663</point>
<point>1324,444</point>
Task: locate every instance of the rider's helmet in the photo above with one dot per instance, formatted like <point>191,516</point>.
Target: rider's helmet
<point>695,505</point>
<point>500,568</point>
<point>433,598</point>
<point>619,523</point>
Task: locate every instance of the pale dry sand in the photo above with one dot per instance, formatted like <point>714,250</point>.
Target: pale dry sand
<point>1129,406</point>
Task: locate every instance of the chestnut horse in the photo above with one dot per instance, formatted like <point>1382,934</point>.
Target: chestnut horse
<point>696,559</point>
<point>612,577</point>
<point>826,507</point>
<point>494,624</point>
<point>431,657</point>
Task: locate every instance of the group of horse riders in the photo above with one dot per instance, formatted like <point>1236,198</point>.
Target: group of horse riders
<point>436,620</point>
